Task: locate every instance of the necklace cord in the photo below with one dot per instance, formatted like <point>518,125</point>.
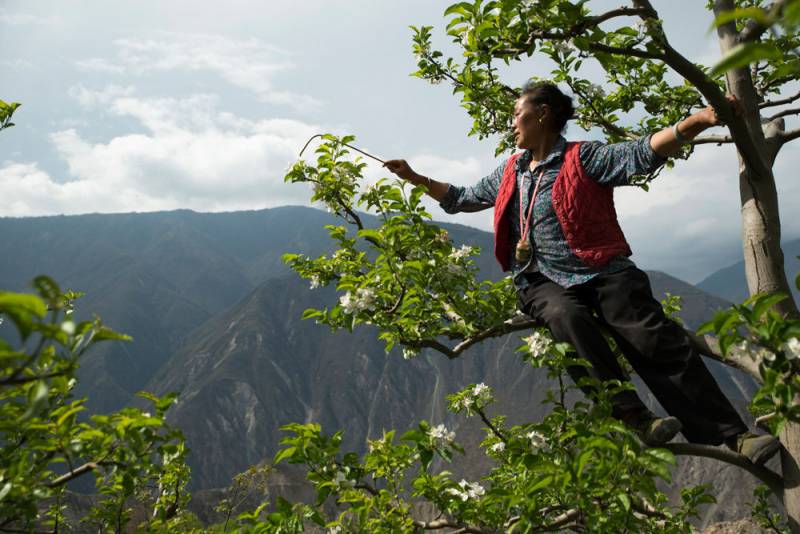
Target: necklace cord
<point>525,230</point>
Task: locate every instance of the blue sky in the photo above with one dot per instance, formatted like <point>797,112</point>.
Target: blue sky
<point>150,105</point>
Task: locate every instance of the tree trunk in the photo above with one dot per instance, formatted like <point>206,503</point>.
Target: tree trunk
<point>790,437</point>
<point>761,236</point>
<point>761,226</point>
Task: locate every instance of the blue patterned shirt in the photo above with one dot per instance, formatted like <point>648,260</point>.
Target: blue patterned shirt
<point>610,164</point>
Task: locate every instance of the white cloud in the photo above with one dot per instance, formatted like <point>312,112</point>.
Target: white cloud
<point>93,99</point>
<point>191,156</point>
<point>26,19</point>
<point>249,64</point>
<point>18,64</point>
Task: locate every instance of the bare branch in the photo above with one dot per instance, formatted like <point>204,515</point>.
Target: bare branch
<point>75,473</point>
<point>791,135</point>
<point>514,324</point>
<point>711,139</point>
<point>780,102</point>
<point>631,52</point>
<point>563,519</point>
<point>785,113</point>
<point>768,477</point>
<point>596,20</point>
<point>708,346</point>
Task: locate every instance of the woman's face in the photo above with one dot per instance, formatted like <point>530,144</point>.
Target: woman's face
<point>529,122</point>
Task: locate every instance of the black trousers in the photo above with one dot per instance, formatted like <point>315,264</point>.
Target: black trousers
<point>657,348</point>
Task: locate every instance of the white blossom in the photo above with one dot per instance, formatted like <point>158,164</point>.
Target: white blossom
<point>791,349</point>
<point>465,402</point>
<point>461,253</point>
<point>315,281</point>
<point>336,529</point>
<point>465,39</point>
<point>595,91</point>
<point>767,355</point>
<point>466,490</point>
<point>641,29</point>
<point>563,47</point>
<point>364,299</point>
<point>538,343</point>
<point>451,314</point>
<point>745,349</point>
<point>498,447</point>
<point>409,353</point>
<point>68,327</point>
<point>537,439</point>
<point>441,435</point>
<point>340,479</point>
<point>482,392</point>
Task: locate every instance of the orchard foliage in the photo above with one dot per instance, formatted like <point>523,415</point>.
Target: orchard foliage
<point>578,467</point>
<point>755,330</point>
<point>6,111</point>
<point>496,33</point>
<point>405,276</point>
<point>133,455</point>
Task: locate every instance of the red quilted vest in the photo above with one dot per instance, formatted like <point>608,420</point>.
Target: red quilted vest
<point>584,208</point>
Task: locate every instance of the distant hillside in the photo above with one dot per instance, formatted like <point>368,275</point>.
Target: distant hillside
<point>730,283</point>
<point>158,276</point>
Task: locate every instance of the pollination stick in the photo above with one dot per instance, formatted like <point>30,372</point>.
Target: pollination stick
<point>341,143</point>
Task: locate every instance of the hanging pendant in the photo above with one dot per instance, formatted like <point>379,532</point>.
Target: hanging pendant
<point>523,251</point>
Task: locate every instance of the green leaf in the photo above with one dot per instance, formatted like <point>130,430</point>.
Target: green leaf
<point>543,482</point>
<point>106,334</point>
<point>744,54</point>
<point>47,288</point>
<point>624,500</point>
<point>766,302</point>
<point>14,302</point>
<point>283,454</point>
<point>755,13</point>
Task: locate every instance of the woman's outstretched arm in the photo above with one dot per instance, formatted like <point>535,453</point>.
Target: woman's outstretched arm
<point>668,141</point>
<point>401,168</point>
<point>453,198</point>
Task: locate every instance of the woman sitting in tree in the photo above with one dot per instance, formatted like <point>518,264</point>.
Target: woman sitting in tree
<point>556,230</point>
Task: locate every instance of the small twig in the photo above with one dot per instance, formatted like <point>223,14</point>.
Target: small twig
<point>784,113</point>
<point>494,429</point>
<point>780,102</point>
<point>341,143</point>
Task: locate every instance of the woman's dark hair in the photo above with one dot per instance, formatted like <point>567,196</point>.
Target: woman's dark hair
<point>549,93</point>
